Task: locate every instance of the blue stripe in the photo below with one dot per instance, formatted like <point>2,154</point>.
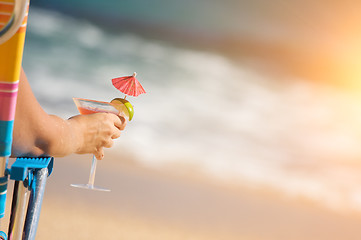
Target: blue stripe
<point>3,189</point>
<point>6,137</point>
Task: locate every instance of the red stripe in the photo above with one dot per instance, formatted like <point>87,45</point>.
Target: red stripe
<point>21,29</point>
<point>7,105</point>
<point>8,86</point>
<point>6,8</point>
<point>4,18</point>
<point>8,94</point>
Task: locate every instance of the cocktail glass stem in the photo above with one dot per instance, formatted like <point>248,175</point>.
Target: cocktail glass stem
<point>92,171</point>
<point>90,184</point>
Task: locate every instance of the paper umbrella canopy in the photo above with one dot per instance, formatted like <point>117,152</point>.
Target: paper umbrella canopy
<point>128,85</point>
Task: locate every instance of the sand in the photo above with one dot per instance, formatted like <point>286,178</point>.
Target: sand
<point>161,204</point>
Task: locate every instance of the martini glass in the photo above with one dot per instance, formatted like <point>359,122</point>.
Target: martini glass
<point>86,106</point>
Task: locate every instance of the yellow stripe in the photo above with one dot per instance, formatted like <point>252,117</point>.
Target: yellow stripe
<point>11,57</point>
<point>8,1</point>
<point>9,83</point>
<point>12,51</point>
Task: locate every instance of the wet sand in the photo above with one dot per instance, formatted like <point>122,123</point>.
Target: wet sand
<point>152,204</point>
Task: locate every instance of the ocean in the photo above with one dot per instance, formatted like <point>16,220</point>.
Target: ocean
<point>205,111</point>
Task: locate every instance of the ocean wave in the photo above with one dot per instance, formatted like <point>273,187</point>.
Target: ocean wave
<point>203,109</point>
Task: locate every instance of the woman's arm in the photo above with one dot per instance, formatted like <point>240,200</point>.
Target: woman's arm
<point>38,133</point>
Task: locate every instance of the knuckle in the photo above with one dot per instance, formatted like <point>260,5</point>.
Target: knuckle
<point>108,143</point>
<point>108,132</point>
<point>103,142</point>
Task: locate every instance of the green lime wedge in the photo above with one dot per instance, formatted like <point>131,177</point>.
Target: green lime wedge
<point>124,106</point>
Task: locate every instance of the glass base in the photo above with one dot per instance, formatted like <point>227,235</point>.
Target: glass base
<point>90,187</point>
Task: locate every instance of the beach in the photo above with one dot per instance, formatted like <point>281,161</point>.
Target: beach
<point>221,146</point>
<point>150,203</point>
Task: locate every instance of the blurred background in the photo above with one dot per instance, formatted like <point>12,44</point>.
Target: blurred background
<point>250,128</point>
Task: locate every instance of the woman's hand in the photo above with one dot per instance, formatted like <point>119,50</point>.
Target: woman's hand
<point>96,131</point>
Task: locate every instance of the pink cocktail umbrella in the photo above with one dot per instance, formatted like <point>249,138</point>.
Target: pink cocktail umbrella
<point>128,85</point>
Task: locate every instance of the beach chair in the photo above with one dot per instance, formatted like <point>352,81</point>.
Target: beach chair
<point>29,174</point>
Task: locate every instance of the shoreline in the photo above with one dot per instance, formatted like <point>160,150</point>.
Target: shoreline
<point>154,204</point>
<point>192,174</point>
